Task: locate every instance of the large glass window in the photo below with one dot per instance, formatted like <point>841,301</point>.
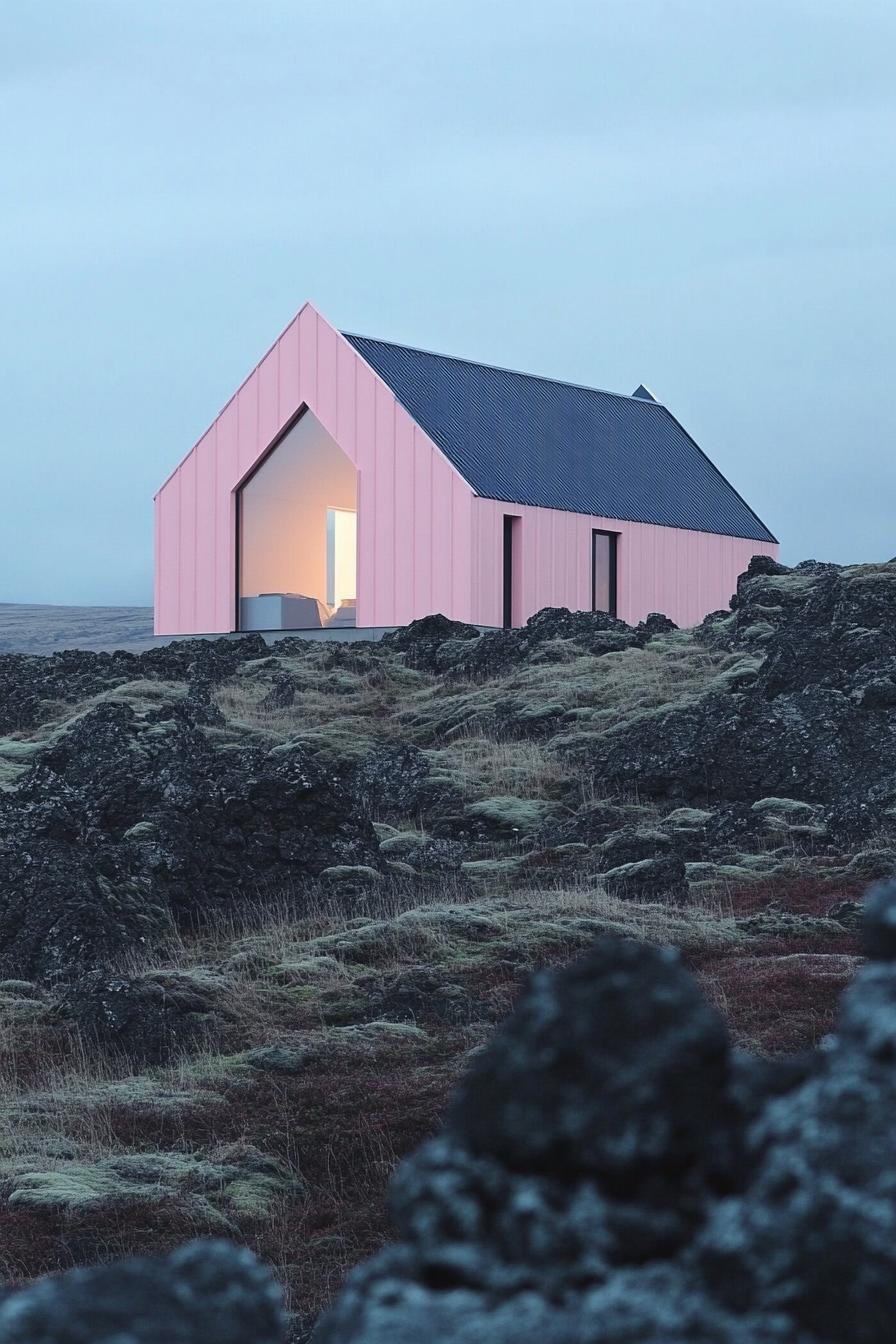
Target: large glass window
<point>603,571</point>
<point>297,530</point>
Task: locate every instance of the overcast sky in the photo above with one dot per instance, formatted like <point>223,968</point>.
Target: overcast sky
<point>697,194</point>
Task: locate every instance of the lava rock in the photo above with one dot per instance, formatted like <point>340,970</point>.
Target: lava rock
<point>880,922</point>
<point>612,1172</point>
<point>126,821</point>
<point>615,1065</point>
<point>850,914</point>
<point>207,1292</point>
<point>436,644</point>
<point>396,781</point>
<point>650,880</point>
<point>135,1015</point>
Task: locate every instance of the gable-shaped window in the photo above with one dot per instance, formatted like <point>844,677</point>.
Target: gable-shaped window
<point>297,534</point>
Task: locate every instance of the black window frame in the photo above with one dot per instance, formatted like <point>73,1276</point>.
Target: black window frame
<point>511,521</point>
<point>613,576</point>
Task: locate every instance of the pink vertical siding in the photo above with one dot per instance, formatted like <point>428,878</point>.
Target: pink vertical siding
<point>423,561</point>
<point>404,534</point>
<point>204,518</point>
<point>288,373</point>
<point>681,573</point>
<point>187,543</point>
<point>414,509</point>
<point>222,586</point>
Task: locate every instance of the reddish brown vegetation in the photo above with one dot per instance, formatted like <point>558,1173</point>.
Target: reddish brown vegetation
<point>799,894</point>
<point>781,1000</point>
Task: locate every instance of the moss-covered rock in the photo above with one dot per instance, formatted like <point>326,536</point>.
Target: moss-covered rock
<point>400,843</point>
<point>508,816</point>
<point>351,872</point>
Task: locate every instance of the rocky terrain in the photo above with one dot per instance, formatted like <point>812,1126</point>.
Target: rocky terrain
<point>261,907</point>
<point>612,1172</point>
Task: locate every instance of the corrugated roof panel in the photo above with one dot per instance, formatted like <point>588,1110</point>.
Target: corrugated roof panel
<point>535,441</point>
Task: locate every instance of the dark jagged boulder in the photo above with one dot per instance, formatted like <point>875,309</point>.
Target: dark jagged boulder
<point>127,822</point>
<point>397,780</point>
<point>433,629</point>
<point>138,1016</point>
<point>73,676</point>
<point>813,719</point>
<point>613,1173</point>
<point>436,644</point>
<point>614,1066</point>
<point>765,564</point>
<point>655,624</point>
<point>631,844</point>
<point>208,1292</point>
<point>424,641</point>
<point>660,879</point>
<point>560,623</point>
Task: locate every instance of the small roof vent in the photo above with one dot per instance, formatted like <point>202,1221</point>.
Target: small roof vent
<point>644,393</point>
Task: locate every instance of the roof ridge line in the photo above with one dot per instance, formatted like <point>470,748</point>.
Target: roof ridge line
<point>500,368</point>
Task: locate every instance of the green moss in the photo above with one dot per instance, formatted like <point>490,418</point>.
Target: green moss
<point>625,872</point>
<point>534,714</point>
<point>338,743</point>
<point>687,819</point>
<point>740,673</point>
<point>400,868</point>
<point>144,695</point>
<point>139,1092</point>
<point>757,633</point>
<point>492,872</point>
<point>791,808</point>
<point>783,924</point>
<point>351,872</point>
<point>379,1029</point>
<point>23,989</point>
<point>510,815</point>
<point>713,873</point>
<point>16,757</point>
<point>143,830</point>
<point>285,1059</point>
<point>760,863</point>
<point>237,1180</point>
<point>791,815</point>
<point>18,1008</point>
<point>649,835</point>
<point>555,856</point>
<point>301,969</point>
<point>870,864</point>
<point>793,585</point>
<point>383,831</point>
<point>402,842</point>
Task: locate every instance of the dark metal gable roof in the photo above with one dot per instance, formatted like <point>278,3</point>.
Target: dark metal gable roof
<point>532,440</point>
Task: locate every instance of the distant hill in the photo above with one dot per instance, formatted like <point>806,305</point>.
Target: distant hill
<point>34,628</point>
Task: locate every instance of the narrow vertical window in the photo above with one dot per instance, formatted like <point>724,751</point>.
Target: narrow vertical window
<point>603,571</point>
<point>511,555</point>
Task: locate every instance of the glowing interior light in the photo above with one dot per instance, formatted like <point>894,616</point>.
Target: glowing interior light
<point>342,547</point>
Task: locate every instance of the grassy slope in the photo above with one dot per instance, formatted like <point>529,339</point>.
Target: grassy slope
<point>334,1034</point>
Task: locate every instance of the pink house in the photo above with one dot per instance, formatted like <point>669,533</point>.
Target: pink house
<point>354,482</point>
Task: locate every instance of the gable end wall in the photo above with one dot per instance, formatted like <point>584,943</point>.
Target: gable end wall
<point>417,559</point>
